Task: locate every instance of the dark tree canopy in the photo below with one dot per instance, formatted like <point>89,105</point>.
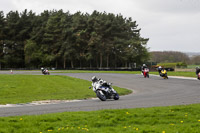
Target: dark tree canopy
<point>63,40</point>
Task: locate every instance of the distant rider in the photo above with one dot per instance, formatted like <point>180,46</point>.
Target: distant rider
<point>160,69</point>
<point>96,83</point>
<point>143,67</point>
<point>43,70</point>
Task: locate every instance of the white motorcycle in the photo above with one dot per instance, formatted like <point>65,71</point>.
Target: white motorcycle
<point>105,91</point>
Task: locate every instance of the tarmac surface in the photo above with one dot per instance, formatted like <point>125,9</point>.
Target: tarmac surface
<point>147,92</point>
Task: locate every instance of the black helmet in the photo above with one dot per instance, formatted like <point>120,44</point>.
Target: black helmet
<point>94,79</point>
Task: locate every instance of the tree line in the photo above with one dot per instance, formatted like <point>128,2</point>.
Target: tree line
<point>173,56</point>
<point>63,40</point>
<point>195,60</point>
<point>169,56</point>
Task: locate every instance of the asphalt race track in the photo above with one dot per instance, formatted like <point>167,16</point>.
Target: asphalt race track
<point>151,92</point>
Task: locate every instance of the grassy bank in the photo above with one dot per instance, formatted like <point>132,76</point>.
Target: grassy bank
<point>28,88</point>
<point>174,119</point>
<point>182,74</point>
<point>170,73</point>
<point>95,71</point>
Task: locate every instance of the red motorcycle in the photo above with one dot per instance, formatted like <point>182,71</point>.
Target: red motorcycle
<point>146,72</point>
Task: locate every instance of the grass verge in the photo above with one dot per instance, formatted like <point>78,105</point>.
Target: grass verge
<point>95,71</point>
<point>173,119</point>
<point>182,74</point>
<point>27,88</point>
<point>170,73</point>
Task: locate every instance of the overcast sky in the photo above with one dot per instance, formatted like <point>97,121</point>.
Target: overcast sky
<point>169,24</point>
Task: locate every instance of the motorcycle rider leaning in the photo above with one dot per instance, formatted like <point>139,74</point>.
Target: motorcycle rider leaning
<point>96,83</point>
<point>42,69</point>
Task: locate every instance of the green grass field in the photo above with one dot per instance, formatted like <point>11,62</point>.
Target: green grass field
<point>173,119</point>
<point>28,88</point>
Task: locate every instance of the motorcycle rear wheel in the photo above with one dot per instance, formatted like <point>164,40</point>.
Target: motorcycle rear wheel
<point>116,96</point>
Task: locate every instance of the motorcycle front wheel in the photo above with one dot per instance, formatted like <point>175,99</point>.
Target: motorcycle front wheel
<point>102,97</point>
<point>165,77</point>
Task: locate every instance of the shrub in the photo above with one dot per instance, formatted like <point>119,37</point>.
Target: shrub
<point>173,65</point>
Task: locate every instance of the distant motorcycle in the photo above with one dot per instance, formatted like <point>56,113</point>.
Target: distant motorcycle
<point>45,71</point>
<point>105,91</point>
<point>198,76</point>
<point>146,72</point>
<point>163,74</point>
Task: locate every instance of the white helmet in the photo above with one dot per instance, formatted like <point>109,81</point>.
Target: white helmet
<point>101,81</point>
<point>94,79</point>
